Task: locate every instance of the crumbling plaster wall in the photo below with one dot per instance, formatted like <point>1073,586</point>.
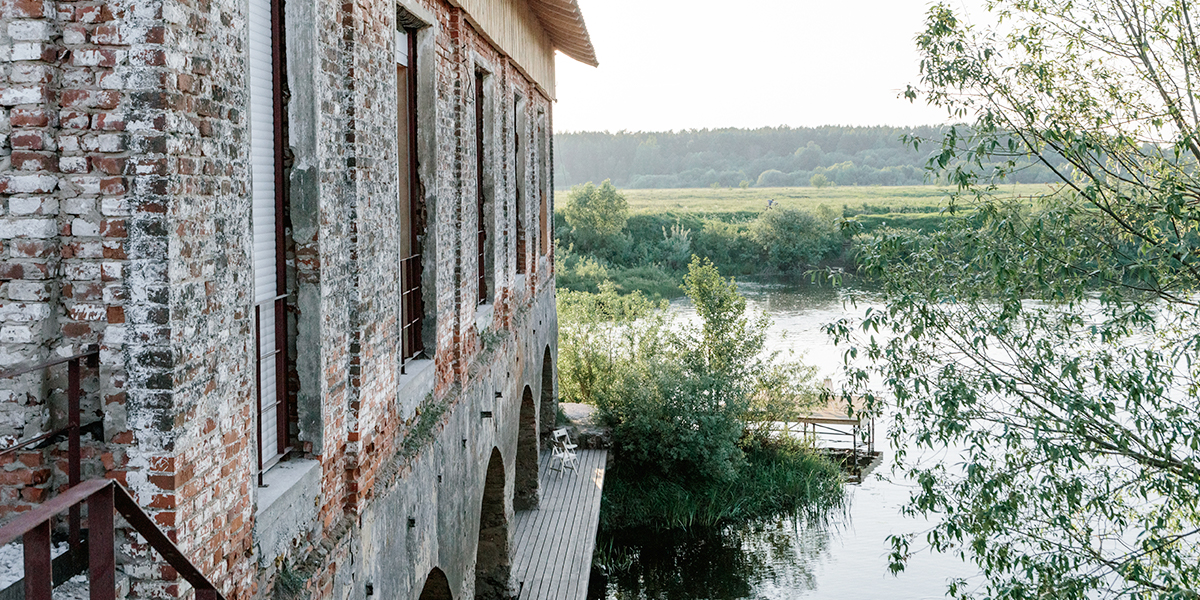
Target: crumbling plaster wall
<point>355,407</point>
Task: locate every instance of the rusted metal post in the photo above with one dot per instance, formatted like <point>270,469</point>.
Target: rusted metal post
<point>38,580</point>
<point>258,389</point>
<point>102,564</point>
<point>73,449</point>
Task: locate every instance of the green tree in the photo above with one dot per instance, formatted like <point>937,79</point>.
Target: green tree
<point>678,396</point>
<point>597,334</point>
<point>793,239</point>
<point>595,214</point>
<point>1056,340</point>
<point>818,180</point>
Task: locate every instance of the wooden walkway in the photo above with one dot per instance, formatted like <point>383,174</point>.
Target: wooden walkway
<point>552,546</point>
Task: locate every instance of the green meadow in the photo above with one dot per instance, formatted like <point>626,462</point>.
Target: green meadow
<point>666,226</point>
<point>901,198</point>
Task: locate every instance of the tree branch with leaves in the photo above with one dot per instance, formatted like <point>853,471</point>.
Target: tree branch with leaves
<point>1051,340</point>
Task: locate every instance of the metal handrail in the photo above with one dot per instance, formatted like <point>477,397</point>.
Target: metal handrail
<point>92,354</point>
<point>103,496</point>
<point>74,450</point>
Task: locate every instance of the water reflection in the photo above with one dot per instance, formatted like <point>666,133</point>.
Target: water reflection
<point>734,562</point>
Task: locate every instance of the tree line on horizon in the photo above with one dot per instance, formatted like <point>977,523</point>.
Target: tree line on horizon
<point>764,157</point>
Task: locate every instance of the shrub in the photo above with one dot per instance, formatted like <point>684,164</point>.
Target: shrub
<point>683,392</point>
<point>792,239</point>
<point>676,246</point>
<point>728,245</point>
<point>597,336</point>
<point>596,214</point>
<point>781,476</point>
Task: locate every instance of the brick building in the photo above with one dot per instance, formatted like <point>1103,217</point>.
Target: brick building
<point>313,241</point>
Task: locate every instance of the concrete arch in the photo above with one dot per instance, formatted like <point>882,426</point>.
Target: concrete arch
<point>525,482</point>
<point>437,587</point>
<point>492,568</point>
<point>549,400</point>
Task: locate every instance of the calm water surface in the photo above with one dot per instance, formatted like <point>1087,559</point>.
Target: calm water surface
<point>843,559</point>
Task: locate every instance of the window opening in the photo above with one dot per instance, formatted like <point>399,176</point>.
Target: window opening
<point>481,194</point>
<point>265,62</point>
<point>519,150</point>
<point>543,187</point>
<point>412,309</point>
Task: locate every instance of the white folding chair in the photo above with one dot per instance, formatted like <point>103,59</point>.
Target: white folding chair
<point>563,451</point>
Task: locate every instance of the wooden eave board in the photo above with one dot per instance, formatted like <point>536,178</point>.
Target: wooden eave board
<point>564,22</point>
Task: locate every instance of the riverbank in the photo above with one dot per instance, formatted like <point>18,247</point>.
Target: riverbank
<point>758,234</point>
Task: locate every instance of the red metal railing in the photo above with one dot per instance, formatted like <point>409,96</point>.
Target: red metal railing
<point>74,391</point>
<point>102,497</point>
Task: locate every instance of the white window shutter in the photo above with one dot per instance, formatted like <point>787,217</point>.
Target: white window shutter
<point>262,175</point>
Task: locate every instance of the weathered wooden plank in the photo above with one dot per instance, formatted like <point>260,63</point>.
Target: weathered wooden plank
<point>559,537</point>
<point>552,549</point>
<point>587,541</point>
<point>565,497</point>
<point>568,561</point>
<point>539,538</point>
<point>575,565</point>
<point>530,526</point>
<point>542,577</point>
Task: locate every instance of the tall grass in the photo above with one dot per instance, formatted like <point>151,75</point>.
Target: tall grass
<point>779,477</point>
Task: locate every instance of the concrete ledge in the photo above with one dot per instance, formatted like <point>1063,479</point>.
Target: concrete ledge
<point>413,385</point>
<point>483,317</point>
<point>286,507</point>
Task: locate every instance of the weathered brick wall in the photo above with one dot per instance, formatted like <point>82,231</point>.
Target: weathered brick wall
<point>205,418</point>
<point>66,134</point>
<point>125,220</point>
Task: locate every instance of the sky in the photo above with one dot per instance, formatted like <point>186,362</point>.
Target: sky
<point>691,64</point>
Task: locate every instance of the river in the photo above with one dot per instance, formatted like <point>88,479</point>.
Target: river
<point>845,558</point>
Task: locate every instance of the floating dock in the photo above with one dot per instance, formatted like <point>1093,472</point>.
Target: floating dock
<point>554,543</point>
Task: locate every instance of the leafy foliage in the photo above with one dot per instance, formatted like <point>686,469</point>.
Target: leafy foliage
<point>1053,339</point>
<point>687,402</point>
<point>596,333</point>
<point>676,394</point>
<point>780,477</point>
<point>793,240</point>
<point>596,214</point>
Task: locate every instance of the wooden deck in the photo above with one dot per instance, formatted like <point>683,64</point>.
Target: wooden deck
<point>552,546</point>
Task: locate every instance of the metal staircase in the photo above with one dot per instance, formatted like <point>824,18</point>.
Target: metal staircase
<point>97,556</point>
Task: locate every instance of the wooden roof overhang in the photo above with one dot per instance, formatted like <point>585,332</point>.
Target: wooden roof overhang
<point>563,21</point>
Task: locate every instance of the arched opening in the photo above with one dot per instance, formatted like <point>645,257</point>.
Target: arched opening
<point>491,555</point>
<point>525,483</point>
<point>549,400</point>
<point>436,586</point>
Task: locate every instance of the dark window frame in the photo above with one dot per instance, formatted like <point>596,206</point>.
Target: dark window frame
<point>521,172</point>
<point>412,306</point>
<point>480,192</point>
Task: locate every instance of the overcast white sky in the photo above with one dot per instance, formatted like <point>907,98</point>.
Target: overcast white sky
<point>681,64</point>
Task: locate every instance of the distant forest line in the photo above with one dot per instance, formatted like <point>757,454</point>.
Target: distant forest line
<point>766,157</point>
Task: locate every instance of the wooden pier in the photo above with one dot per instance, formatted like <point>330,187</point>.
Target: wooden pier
<point>552,546</point>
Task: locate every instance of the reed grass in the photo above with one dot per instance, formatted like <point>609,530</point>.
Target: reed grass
<point>779,476</point>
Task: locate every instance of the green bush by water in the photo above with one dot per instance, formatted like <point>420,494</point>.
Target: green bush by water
<point>779,476</point>
<point>686,403</point>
